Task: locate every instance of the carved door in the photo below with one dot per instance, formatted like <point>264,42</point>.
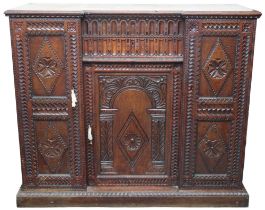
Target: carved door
<point>131,124</point>
<point>46,72</point>
<point>216,87</point>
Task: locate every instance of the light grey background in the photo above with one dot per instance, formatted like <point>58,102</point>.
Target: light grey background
<point>10,174</point>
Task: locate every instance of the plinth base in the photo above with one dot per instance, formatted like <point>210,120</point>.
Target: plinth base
<point>132,196</point>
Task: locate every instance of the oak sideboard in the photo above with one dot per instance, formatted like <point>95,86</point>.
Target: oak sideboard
<point>132,105</point>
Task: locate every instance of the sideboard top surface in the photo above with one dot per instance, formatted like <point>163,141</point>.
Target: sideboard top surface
<point>183,9</point>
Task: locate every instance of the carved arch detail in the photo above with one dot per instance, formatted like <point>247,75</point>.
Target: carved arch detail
<point>154,87</point>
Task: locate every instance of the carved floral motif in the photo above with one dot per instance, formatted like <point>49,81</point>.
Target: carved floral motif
<point>52,148</point>
<point>132,142</point>
<point>46,67</point>
<point>212,147</point>
<point>217,68</point>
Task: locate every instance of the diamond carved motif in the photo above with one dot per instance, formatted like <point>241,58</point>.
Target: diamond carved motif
<point>132,139</point>
<point>212,147</point>
<point>217,67</point>
<point>47,66</point>
<point>52,148</point>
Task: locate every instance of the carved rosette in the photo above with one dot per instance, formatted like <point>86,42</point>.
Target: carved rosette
<point>132,142</point>
<point>52,148</point>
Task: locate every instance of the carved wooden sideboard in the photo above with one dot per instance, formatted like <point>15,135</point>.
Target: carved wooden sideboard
<point>132,105</point>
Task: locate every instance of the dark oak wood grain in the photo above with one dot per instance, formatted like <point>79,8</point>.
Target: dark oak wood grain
<point>147,107</point>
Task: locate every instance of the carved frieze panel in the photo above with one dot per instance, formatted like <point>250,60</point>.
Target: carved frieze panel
<point>133,36</point>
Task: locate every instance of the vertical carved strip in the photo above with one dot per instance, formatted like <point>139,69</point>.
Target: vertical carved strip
<point>158,138</point>
<point>25,122</point>
<point>191,32</point>
<point>90,46</point>
<point>232,143</point>
<point>73,52</point>
<point>106,141</point>
<point>76,130</point>
<point>241,103</point>
<point>22,92</point>
<point>175,126</point>
<point>89,120</point>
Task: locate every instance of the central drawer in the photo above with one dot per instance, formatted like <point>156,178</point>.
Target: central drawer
<point>133,38</point>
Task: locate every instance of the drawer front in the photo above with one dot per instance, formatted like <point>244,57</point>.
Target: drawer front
<point>140,37</point>
<point>134,139</point>
<point>46,69</point>
<point>217,76</point>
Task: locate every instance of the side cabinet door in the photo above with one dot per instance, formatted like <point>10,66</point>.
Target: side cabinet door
<point>218,62</point>
<point>47,70</point>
